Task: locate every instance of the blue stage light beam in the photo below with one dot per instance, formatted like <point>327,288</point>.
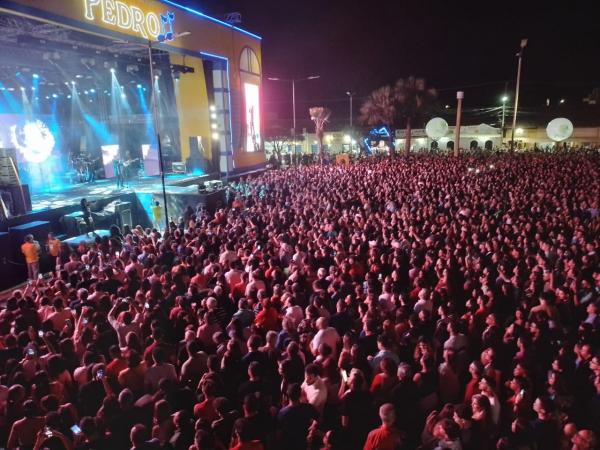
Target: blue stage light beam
<point>14,106</point>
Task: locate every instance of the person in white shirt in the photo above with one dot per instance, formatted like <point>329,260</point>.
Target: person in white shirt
<point>326,335</point>
<point>159,370</point>
<point>124,324</point>
<point>487,386</point>
<point>228,256</point>
<point>314,389</point>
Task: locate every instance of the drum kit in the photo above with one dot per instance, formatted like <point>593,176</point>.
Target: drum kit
<point>84,167</point>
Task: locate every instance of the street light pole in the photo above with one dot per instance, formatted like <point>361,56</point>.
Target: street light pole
<point>294,81</point>
<point>504,100</point>
<point>459,96</point>
<point>294,120</point>
<point>161,164</point>
<point>514,124</point>
<point>351,94</point>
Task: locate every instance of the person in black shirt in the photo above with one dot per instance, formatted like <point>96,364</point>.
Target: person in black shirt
<point>294,420</point>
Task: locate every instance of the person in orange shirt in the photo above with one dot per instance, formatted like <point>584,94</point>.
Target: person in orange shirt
<point>386,437</point>
<point>31,251</point>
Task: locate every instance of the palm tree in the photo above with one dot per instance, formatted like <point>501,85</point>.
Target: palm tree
<point>409,100</point>
<point>378,108</point>
<point>320,116</point>
<point>413,100</point>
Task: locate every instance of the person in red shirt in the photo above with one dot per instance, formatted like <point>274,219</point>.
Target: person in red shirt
<point>206,410</point>
<point>241,438</point>
<point>387,436</point>
<point>268,317</point>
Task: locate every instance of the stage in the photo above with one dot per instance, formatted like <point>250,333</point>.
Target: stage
<point>176,184</point>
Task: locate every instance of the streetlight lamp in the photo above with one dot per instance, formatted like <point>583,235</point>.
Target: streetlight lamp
<point>514,124</point>
<point>294,81</point>
<point>157,122</point>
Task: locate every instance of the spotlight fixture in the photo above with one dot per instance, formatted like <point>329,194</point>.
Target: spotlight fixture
<point>93,91</point>
<point>112,70</point>
<point>22,89</point>
<point>78,76</point>
<point>69,96</point>
<point>35,75</point>
<point>213,116</point>
<point>73,83</point>
<point>213,108</point>
<point>215,136</point>
<point>213,126</point>
<point>54,95</point>
<point>139,86</point>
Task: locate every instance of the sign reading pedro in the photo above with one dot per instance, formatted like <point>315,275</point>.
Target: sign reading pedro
<point>148,25</point>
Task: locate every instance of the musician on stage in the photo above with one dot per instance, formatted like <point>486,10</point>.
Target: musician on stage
<point>119,171</point>
<point>87,216</point>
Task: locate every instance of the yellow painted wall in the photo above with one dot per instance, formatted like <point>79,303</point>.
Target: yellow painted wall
<point>206,36</point>
<point>192,105</point>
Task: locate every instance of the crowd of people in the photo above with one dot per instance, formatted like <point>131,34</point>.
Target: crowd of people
<point>394,303</point>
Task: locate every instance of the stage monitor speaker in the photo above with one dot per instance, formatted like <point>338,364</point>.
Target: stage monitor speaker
<point>16,198</point>
<point>124,214</point>
<point>39,229</point>
<point>179,167</point>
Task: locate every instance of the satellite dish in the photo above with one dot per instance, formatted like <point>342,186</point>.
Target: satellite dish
<point>436,128</point>
<point>559,129</point>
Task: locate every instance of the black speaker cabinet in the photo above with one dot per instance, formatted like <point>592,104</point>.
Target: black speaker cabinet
<point>18,198</point>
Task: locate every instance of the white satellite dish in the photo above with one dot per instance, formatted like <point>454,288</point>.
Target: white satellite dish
<point>559,129</point>
<point>436,128</point>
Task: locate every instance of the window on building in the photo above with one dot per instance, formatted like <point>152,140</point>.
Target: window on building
<point>249,61</point>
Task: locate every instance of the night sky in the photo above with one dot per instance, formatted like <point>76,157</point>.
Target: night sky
<point>361,45</point>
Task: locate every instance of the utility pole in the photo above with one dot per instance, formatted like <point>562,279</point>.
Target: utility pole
<point>459,96</point>
<point>514,124</point>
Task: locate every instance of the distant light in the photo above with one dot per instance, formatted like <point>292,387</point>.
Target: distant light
<point>519,131</point>
<point>35,75</point>
<point>213,126</point>
<point>447,106</point>
<point>91,100</point>
<point>93,91</point>
<point>69,96</point>
<point>54,96</point>
<point>139,86</point>
<point>86,92</point>
<point>47,97</point>
<point>504,99</point>
<point>22,89</point>
<point>105,91</point>
<point>10,89</point>
<point>78,76</point>
<point>33,88</point>
<point>213,108</point>
<point>215,136</point>
<point>73,83</point>
<point>112,70</point>
<point>491,166</point>
<point>123,96</point>
<point>562,100</point>
<point>213,116</point>
<point>347,138</point>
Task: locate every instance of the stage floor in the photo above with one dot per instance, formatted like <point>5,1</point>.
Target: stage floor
<point>71,195</point>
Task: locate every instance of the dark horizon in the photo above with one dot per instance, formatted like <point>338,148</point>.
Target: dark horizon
<point>351,48</point>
